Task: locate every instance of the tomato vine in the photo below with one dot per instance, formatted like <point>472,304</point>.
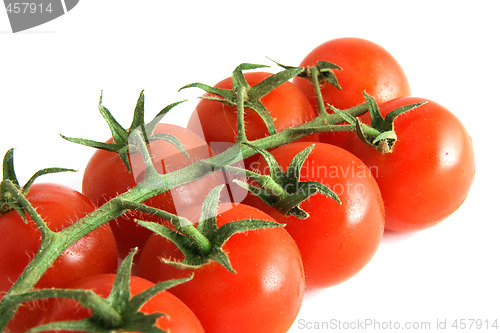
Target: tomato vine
<point>281,189</point>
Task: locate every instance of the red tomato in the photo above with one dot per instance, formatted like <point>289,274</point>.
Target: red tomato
<point>365,65</point>
<point>106,176</point>
<point>263,295</point>
<point>337,240</point>
<point>59,206</point>
<point>430,170</point>
<point>217,122</point>
<point>178,317</point>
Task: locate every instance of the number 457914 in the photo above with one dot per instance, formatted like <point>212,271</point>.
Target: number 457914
<point>478,324</point>
<point>28,8</point>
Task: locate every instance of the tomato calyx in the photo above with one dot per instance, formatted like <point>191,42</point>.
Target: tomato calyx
<point>8,200</point>
<point>243,96</point>
<point>118,312</point>
<point>320,74</point>
<point>203,243</point>
<point>380,134</point>
<point>323,72</point>
<point>122,143</point>
<point>283,190</point>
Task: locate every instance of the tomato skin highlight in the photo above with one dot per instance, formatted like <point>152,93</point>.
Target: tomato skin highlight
<point>217,122</point>
<point>59,206</point>
<point>180,318</point>
<point>337,240</point>
<point>264,294</point>
<point>106,176</point>
<point>430,170</point>
<point>366,66</point>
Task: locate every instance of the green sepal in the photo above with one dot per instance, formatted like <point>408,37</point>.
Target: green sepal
<point>180,240</point>
<point>274,169</point>
<point>265,195</point>
<point>324,70</point>
<point>342,114</point>
<point>121,137</point>
<point>360,127</point>
<point>118,132</point>
<point>42,172</point>
<point>136,302</point>
<point>391,116</point>
<point>292,173</point>
<point>284,191</point>
<point>120,292</point>
<point>317,187</point>
<point>264,87</point>
<point>8,168</point>
<point>6,201</point>
<point>381,134</point>
<point>261,110</point>
<point>207,230</point>
<point>170,139</point>
<point>219,256</point>
<point>207,225</point>
<point>227,95</point>
<point>214,98</point>
<point>325,66</point>
<point>109,146</point>
<point>257,92</point>
<point>139,322</point>
<point>83,325</point>
<point>227,230</point>
<point>138,119</point>
<point>150,127</point>
<point>119,301</point>
<point>253,94</point>
<point>239,79</point>
<point>195,260</point>
<point>377,121</point>
<point>326,73</point>
<point>192,258</point>
<point>361,134</point>
<point>248,66</point>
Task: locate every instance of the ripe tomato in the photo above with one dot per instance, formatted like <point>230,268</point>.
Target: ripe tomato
<point>430,170</point>
<point>264,294</point>
<point>365,65</point>
<point>106,176</point>
<point>337,240</point>
<point>59,206</point>
<point>217,122</point>
<point>178,317</point>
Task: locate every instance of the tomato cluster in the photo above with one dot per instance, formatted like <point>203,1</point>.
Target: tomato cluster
<point>352,193</point>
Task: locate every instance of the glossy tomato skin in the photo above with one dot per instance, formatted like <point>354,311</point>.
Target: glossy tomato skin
<point>59,206</point>
<point>335,241</point>
<point>263,295</point>
<point>366,66</point>
<point>179,318</point>
<point>430,170</point>
<point>217,122</point>
<point>106,176</point>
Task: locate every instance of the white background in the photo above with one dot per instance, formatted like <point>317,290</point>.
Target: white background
<point>51,77</point>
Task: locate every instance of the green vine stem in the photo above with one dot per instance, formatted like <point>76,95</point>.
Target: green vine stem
<point>182,224</point>
<point>100,307</point>
<point>58,242</point>
<point>240,109</point>
<point>317,89</point>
